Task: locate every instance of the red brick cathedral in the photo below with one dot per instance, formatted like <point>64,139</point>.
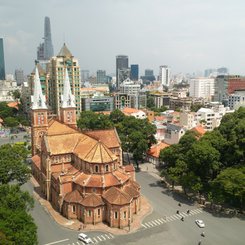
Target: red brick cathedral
<point>81,173</point>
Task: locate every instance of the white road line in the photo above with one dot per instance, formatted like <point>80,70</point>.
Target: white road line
<point>154,222</point>
<point>99,238</point>
<point>184,214</point>
<point>159,221</point>
<point>168,219</point>
<point>176,216</point>
<point>149,224</point>
<point>111,235</point>
<point>56,242</point>
<point>95,239</point>
<point>103,237</point>
<point>107,236</point>
<point>164,220</point>
<point>144,225</point>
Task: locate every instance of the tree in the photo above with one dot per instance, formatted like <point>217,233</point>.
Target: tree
<point>16,94</point>
<point>150,102</point>
<point>90,121</point>
<point>12,164</point>
<point>11,122</point>
<point>116,116</point>
<point>229,186</point>
<point>16,225</point>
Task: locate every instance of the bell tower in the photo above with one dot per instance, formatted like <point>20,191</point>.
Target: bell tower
<point>68,106</point>
<point>39,115</point>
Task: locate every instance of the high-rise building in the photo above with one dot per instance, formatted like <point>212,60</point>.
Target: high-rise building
<point>2,63</point>
<point>202,88</point>
<point>149,72</point>
<point>45,50</point>
<point>101,76</point>
<point>84,75</point>
<point>222,71</point>
<point>19,76</point>
<point>56,69</point>
<point>134,72</point>
<point>164,75</point>
<point>122,70</point>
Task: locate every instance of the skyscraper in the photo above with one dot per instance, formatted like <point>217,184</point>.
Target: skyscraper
<point>101,76</point>
<point>2,64</point>
<point>57,67</point>
<point>164,75</point>
<point>134,72</point>
<point>19,76</point>
<point>45,50</point>
<point>122,70</point>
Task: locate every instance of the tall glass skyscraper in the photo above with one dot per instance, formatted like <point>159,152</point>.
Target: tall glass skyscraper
<point>45,50</point>
<point>122,70</point>
<point>2,64</point>
<point>134,72</point>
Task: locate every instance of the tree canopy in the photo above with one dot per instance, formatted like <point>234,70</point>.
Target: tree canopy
<point>213,164</point>
<point>16,224</point>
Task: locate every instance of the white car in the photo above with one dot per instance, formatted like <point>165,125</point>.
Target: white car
<point>83,237</point>
<point>200,223</point>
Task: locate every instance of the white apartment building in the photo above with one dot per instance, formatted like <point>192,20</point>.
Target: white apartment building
<point>187,120</point>
<point>6,88</point>
<point>236,100</point>
<point>164,75</point>
<point>129,87</point>
<point>202,88</point>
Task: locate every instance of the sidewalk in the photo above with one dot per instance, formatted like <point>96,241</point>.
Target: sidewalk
<point>151,169</point>
<point>75,224</point>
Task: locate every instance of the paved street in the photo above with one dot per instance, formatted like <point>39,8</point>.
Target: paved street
<point>162,226</point>
<point>19,137</point>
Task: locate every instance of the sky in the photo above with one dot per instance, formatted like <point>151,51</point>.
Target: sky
<point>187,35</point>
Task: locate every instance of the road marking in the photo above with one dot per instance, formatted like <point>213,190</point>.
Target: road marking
<point>107,236</point>
<point>149,224</point>
<point>176,216</point>
<point>103,237</point>
<point>164,220</point>
<point>111,235</point>
<point>184,214</point>
<point>95,239</point>
<point>154,222</point>
<point>157,222</point>
<point>57,242</point>
<point>99,238</point>
<point>144,226</point>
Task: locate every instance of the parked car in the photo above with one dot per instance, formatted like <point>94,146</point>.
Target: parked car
<point>200,223</point>
<point>83,237</point>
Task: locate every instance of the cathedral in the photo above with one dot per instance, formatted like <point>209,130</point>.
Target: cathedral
<point>81,173</point>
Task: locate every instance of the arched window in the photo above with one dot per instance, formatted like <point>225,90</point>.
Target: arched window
<point>96,168</point>
<point>107,168</point>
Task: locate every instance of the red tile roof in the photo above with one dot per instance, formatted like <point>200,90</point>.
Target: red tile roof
<point>200,130</point>
<point>117,197</point>
<point>155,149</point>
<point>37,161</point>
<point>73,197</point>
<point>92,200</point>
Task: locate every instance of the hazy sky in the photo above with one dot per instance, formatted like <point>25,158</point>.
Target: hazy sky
<point>187,35</point>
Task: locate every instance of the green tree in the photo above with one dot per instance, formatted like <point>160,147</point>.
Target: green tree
<point>116,116</point>
<point>16,94</point>
<point>16,225</point>
<point>5,110</point>
<point>229,187</point>
<point>90,121</point>
<point>12,164</point>
<point>11,122</point>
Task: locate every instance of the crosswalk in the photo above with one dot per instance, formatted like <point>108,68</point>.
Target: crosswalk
<point>171,218</point>
<point>95,239</point>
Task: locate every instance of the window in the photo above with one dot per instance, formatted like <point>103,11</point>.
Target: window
<point>94,189</point>
<point>73,208</point>
<point>115,215</point>
<point>106,168</point>
<point>124,214</point>
<point>89,213</point>
<point>98,211</point>
<point>96,168</point>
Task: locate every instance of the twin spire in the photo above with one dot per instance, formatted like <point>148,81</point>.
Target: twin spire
<point>39,100</point>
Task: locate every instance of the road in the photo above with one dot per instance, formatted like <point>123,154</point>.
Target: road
<point>162,226</point>
<point>19,137</point>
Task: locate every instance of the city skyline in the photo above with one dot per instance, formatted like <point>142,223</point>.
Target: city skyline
<point>187,37</point>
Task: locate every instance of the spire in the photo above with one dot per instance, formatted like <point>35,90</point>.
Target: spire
<point>68,100</point>
<point>38,99</point>
<point>64,52</point>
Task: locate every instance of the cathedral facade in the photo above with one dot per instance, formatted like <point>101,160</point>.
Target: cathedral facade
<point>81,173</point>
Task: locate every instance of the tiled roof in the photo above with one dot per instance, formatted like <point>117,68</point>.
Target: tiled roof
<point>199,129</point>
<point>55,128</point>
<point>155,149</point>
<point>99,154</point>
<point>92,200</point>
<point>131,191</point>
<point>117,197</point>
<point>129,111</point>
<point>121,176</point>
<point>73,196</point>
<point>14,104</point>
<point>37,161</point>
<point>129,168</point>
<point>134,184</point>
<point>108,136</point>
